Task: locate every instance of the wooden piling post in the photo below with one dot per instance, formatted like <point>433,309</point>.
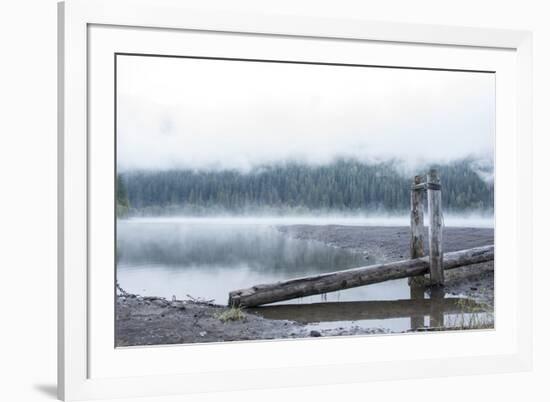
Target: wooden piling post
<point>435,232</point>
<point>417,220</point>
<point>417,226</point>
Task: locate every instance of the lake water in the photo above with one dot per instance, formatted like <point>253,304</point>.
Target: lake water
<point>208,258</point>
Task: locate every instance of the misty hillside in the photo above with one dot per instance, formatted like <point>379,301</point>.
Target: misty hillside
<point>343,186</point>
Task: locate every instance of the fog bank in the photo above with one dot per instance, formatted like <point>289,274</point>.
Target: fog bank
<point>213,114</point>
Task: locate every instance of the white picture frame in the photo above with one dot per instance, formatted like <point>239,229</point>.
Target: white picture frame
<point>90,367</point>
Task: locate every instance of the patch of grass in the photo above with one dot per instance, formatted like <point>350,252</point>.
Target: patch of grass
<point>232,314</point>
<point>472,317</point>
<point>473,321</point>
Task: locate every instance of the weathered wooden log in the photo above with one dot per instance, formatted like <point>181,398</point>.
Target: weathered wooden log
<point>334,281</point>
<point>435,231</point>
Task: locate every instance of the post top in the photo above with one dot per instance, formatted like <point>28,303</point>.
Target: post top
<point>433,176</point>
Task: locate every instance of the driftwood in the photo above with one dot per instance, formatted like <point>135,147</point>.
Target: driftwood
<point>334,281</point>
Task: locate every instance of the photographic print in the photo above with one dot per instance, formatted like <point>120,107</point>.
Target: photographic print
<point>262,200</point>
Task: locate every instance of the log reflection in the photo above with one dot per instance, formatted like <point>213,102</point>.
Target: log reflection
<point>416,309</point>
<point>437,313</point>
<point>417,293</point>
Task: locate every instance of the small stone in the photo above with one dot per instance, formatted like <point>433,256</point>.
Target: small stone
<point>202,333</point>
<point>315,334</point>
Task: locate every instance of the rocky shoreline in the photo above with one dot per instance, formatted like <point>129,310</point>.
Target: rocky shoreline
<point>157,321</point>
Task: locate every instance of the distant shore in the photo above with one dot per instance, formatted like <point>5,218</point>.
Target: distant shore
<point>156,321</point>
<point>318,218</point>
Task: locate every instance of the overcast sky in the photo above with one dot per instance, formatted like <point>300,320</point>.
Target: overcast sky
<point>213,114</point>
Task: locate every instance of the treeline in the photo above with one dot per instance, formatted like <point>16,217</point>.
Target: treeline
<point>343,186</point>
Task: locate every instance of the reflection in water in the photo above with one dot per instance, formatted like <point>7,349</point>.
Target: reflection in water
<point>261,248</point>
<point>207,260</point>
<point>397,315</point>
<point>362,310</point>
